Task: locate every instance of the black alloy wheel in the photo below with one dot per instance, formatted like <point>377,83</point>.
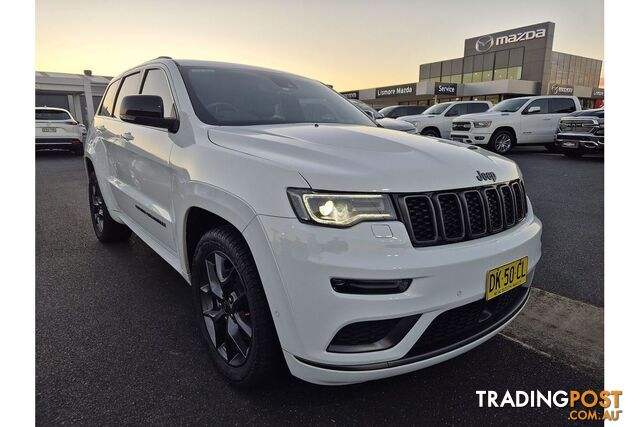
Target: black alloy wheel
<point>225,309</point>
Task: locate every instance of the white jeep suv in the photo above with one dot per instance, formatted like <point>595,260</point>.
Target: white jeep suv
<point>436,120</point>
<point>56,129</point>
<point>526,120</point>
<point>308,233</point>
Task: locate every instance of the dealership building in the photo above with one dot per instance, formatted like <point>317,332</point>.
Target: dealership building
<point>506,64</point>
<point>80,94</point>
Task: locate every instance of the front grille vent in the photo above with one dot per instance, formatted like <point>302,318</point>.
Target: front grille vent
<point>454,216</point>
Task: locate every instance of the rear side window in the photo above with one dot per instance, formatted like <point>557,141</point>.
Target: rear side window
<point>415,110</point>
<point>562,105</point>
<point>106,109</point>
<point>456,110</point>
<point>477,107</point>
<point>129,87</point>
<point>543,103</point>
<point>155,83</point>
<point>52,115</point>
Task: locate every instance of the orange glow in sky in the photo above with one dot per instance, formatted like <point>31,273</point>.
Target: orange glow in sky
<point>349,44</point>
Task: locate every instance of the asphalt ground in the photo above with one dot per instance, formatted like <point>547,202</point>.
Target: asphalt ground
<point>117,343</point>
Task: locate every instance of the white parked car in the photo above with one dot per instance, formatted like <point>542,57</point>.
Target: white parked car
<point>57,129</point>
<point>307,232</point>
<point>436,120</point>
<point>385,122</point>
<point>526,120</point>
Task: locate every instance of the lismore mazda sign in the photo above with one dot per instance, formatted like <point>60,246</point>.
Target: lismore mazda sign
<point>398,90</point>
<point>485,43</point>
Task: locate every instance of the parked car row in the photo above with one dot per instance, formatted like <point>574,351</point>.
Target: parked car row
<point>556,122</point>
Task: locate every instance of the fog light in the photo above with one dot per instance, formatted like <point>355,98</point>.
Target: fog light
<point>370,287</point>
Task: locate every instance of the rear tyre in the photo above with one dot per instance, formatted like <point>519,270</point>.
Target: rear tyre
<point>501,141</point>
<point>106,228</point>
<point>430,132</point>
<point>231,309</point>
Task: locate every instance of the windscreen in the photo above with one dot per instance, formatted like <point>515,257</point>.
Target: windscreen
<point>509,105</point>
<point>52,115</point>
<point>241,97</point>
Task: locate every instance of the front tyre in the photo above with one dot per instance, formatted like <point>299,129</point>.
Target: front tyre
<point>430,132</point>
<point>106,228</point>
<point>501,141</point>
<point>231,308</point>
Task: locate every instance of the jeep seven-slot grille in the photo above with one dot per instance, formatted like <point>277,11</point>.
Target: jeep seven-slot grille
<point>453,216</point>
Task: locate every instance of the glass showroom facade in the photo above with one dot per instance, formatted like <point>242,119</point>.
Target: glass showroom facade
<point>506,64</point>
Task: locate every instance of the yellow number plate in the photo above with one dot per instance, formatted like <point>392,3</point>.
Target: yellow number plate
<point>506,277</point>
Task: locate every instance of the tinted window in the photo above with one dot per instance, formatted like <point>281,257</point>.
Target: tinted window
<point>457,110</point>
<point>129,87</point>
<point>244,96</point>
<point>510,105</point>
<point>479,107</point>
<point>562,105</point>
<point>52,115</point>
<point>386,110</point>
<point>106,109</point>
<point>415,109</point>
<point>437,109</point>
<point>542,103</point>
<point>155,83</point>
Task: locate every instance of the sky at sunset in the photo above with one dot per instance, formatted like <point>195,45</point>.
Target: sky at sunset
<point>349,44</point>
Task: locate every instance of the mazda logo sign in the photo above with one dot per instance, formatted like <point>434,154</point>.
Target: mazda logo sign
<point>484,43</point>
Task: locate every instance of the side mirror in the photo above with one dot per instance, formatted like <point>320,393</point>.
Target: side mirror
<point>146,110</point>
<point>534,109</point>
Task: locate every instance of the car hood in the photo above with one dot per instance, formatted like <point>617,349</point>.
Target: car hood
<point>395,124</point>
<point>482,116</point>
<point>365,158</point>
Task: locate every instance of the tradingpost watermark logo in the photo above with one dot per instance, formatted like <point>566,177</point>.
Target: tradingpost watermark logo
<point>582,405</point>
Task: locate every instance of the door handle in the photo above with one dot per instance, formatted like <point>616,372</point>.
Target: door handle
<point>127,136</point>
<point>546,120</point>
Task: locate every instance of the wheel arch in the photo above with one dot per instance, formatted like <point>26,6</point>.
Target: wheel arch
<point>508,129</point>
<point>434,128</point>
<point>204,208</point>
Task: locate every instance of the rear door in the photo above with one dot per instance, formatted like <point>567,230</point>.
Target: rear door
<point>558,108</point>
<point>536,122</point>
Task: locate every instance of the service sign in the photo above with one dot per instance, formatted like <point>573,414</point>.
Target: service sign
<point>440,88</point>
<point>558,89</point>
<point>398,90</point>
<point>598,93</point>
<point>354,94</point>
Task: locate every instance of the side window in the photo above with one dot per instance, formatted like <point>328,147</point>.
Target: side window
<point>155,83</point>
<point>129,87</point>
<point>415,110</point>
<point>457,110</point>
<point>398,112</point>
<point>539,106</point>
<point>106,109</point>
<point>562,105</point>
<point>477,107</point>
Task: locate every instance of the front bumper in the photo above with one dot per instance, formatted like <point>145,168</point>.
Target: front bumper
<point>583,142</point>
<point>297,261</point>
<point>476,138</point>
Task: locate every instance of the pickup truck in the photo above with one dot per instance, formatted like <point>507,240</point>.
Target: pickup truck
<point>517,121</point>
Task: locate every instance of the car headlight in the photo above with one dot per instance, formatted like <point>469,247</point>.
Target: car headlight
<point>482,124</point>
<point>340,209</point>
